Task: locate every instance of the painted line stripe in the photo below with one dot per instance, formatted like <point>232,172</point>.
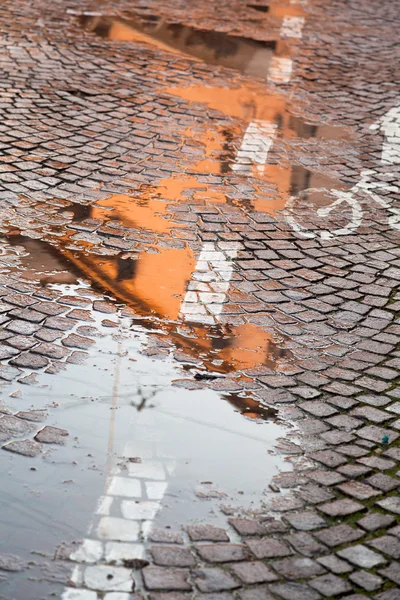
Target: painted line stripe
<point>292,27</point>
<point>209,284</point>
<point>257,141</point>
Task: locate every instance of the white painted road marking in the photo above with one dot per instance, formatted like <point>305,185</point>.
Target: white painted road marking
<point>206,293</point>
<point>292,27</point>
<point>255,146</point>
<point>389,124</point>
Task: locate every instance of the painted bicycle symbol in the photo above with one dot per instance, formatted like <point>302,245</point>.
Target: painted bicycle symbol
<point>369,186</point>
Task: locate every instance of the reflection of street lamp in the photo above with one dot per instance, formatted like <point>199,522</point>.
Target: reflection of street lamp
<point>142,404</point>
<point>113,408</point>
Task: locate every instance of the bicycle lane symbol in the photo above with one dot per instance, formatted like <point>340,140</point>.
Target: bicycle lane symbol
<point>389,125</point>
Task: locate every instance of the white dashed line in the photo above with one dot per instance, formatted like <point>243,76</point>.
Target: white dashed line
<point>292,27</point>
<point>206,293</point>
<point>280,70</point>
<point>256,144</point>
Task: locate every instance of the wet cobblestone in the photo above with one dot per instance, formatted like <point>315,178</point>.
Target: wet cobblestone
<point>80,124</point>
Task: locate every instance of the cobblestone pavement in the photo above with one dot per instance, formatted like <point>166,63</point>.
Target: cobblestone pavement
<point>199,203</point>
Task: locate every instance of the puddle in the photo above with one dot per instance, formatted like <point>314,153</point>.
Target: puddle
<point>248,56</point>
<point>251,102</point>
<point>124,404</point>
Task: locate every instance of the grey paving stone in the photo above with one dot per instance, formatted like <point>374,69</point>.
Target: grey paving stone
<point>391,504</point>
<point>170,556</point>
<point>28,360</point>
<point>338,535</point>
<point>376,520</point>
<point>52,435</point>
<point>305,544</point>
<point>383,482</point>
<point>253,572</point>
<point>12,427</point>
<point>247,527</point>
<point>305,521</point>
<point>330,585</point>
<point>368,581</point>
<point>268,547</point>
<point>255,593</point>
<point>377,434</point>
<point>335,564</point>
<point>358,490</point>
<point>210,533</point>
<point>221,553</point>
<point>388,544</point>
<point>214,580</point>
<point>341,508</point>
<point>328,458</point>
<point>294,591</point>
<point>297,568</point>
<point>159,578</point>
<point>361,556</point>
<point>24,447</point>
<point>392,572</point>
<point>325,477</point>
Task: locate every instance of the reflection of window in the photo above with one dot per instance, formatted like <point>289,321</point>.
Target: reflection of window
<point>126,269</point>
<point>220,343</point>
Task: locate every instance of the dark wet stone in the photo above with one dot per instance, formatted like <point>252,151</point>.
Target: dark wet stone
<point>255,593</point>
<point>209,533</point>
<point>22,342</point>
<point>298,568</point>
<point>338,535</point>
<point>294,591</point>
<point>21,300</point>
<point>305,521</point>
<point>214,580</point>
<point>376,520</point>
<point>80,315</point>
<point>77,358</point>
<point>358,490</point>
<point>325,477</point>
<point>51,435</point>
<point>164,536</point>
<point>361,556</point>
<point>341,508</point>
<point>77,341</point>
<point>11,563</point>
<point>268,548</point>
<point>305,544</point>
<point>383,482</point>
<point>28,360</point>
<point>388,544</point>
<point>220,553</point>
<point>60,323</point>
<point>330,585</point>
<point>335,564</point>
<point>7,352</point>
<point>367,581</point>
<point>104,307</point>
<point>22,327</point>
<point>171,556</point>
<point>159,578</point>
<point>32,415</point>
<point>48,335</point>
<point>50,350</point>
<point>391,504</point>
<point>24,447</point>
<point>253,572</point>
<point>27,314</point>
<point>14,427</point>
<point>247,527</point>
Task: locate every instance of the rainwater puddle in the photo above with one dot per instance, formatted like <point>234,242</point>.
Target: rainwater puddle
<point>129,419</point>
<point>248,56</point>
